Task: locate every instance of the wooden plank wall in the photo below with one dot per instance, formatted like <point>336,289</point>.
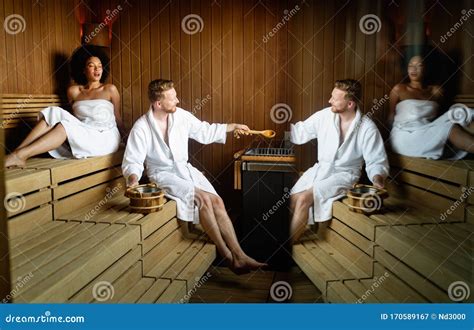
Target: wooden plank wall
<point>33,61</point>
<point>228,72</point>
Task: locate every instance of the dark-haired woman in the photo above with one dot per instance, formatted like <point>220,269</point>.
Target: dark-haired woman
<point>95,127</point>
<point>417,128</point>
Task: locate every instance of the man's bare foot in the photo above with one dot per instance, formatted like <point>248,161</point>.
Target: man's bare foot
<point>13,159</point>
<point>244,264</point>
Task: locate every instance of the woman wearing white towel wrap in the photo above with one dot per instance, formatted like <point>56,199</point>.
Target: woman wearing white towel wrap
<point>92,129</point>
<point>417,130</point>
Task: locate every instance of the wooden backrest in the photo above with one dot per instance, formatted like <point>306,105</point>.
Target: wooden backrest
<point>18,109</point>
<point>467,99</point>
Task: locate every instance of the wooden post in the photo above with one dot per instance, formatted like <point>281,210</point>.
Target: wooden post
<point>4,254</point>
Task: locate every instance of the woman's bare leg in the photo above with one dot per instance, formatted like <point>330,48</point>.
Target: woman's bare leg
<point>50,141</point>
<point>40,129</point>
<point>461,139</point>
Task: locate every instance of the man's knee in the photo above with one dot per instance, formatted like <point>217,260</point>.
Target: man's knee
<point>304,200</point>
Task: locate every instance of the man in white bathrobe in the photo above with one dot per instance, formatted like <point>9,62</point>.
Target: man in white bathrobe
<point>159,140</point>
<point>346,139</point>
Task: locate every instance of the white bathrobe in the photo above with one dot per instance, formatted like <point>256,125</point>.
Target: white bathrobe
<point>167,165</point>
<point>339,166</point>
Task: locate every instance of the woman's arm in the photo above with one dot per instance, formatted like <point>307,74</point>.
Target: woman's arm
<point>72,93</point>
<point>115,99</point>
<point>394,99</point>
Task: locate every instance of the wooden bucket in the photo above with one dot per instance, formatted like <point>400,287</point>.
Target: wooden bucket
<point>145,198</point>
<point>366,199</point>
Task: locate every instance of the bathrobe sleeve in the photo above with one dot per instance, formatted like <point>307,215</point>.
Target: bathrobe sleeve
<point>203,132</point>
<point>304,131</point>
<point>374,154</point>
<point>136,151</point>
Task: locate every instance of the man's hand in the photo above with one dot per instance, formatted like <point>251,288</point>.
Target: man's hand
<point>378,181</point>
<point>238,129</point>
<point>132,181</point>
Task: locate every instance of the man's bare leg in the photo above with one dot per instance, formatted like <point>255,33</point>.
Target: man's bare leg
<point>300,204</point>
<point>241,261</point>
<point>209,224</point>
<point>461,139</point>
<point>50,141</point>
<point>40,129</point>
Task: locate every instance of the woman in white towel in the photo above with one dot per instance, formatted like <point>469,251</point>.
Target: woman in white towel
<point>95,127</point>
<point>417,130</point>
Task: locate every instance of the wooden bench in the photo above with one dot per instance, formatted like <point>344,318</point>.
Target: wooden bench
<point>152,261</point>
<point>169,262</point>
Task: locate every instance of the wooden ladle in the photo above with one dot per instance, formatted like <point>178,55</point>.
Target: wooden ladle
<point>268,133</point>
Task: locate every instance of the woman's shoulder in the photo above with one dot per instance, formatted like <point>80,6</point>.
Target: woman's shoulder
<point>111,88</point>
<point>73,91</point>
<point>400,87</point>
<point>436,91</point>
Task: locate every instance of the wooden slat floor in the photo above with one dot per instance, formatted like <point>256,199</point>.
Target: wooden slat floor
<point>223,286</point>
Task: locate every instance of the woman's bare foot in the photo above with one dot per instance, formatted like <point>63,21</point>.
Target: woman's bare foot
<point>244,264</point>
<point>14,159</point>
